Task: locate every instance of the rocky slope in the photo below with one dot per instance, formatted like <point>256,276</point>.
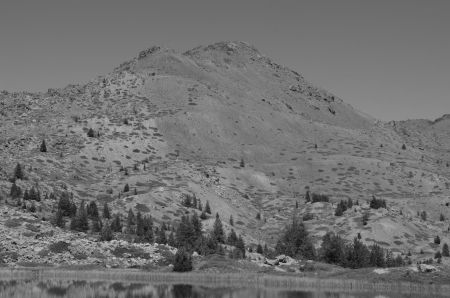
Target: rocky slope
<point>169,123</point>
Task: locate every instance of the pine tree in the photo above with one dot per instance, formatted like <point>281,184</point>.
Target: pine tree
<point>64,204</point>
<point>106,212</point>
<point>43,147</point>
<point>131,221</point>
<point>232,238</point>
<point>182,261</point>
<point>82,219</point>
<point>91,133</point>
<point>203,215</point>
<point>161,239</point>
<point>200,206</point>
<point>240,245</point>
<point>126,188</point>
<point>445,250</point>
<point>259,249</point>
<point>218,234</point>
<point>92,210</point>
<point>196,226</point>
<point>437,240</point>
<point>295,241</point>
<point>308,196</point>
<point>148,235</point>
<point>106,233</point>
<point>15,191</point>
<point>207,208</point>
<point>242,163</point>
<point>139,225</point>
<point>18,172</point>
<point>59,219</point>
<point>332,249</point>
<point>96,225</point>
<point>171,240</point>
<point>116,224</point>
<point>377,258</point>
<point>231,220</point>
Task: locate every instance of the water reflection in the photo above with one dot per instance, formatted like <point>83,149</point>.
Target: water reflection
<point>84,289</point>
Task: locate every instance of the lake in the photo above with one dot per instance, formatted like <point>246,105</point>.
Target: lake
<point>85,289</point>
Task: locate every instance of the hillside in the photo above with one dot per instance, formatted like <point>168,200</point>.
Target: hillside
<point>169,123</point>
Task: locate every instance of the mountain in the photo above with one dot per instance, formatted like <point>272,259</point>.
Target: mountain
<point>238,130</point>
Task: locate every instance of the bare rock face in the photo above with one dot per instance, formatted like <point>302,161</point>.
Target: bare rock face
<point>233,127</point>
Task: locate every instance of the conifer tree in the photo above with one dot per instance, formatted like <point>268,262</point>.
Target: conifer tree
<point>15,191</point>
<point>200,206</point>
<point>307,196</point>
<point>182,261</point>
<point>18,172</point>
<point>240,245</point>
<point>231,220</point>
<point>196,226</point>
<point>131,221</point>
<point>126,188</point>
<point>64,204</point>
<point>203,215</point>
<point>59,219</point>
<point>43,147</point>
<point>92,210</point>
<point>139,225</point>
<point>207,208</point>
<point>91,133</point>
<point>218,233</point>
<point>96,225</point>
<point>161,239</point>
<point>106,212</point>
<point>295,241</point>
<point>259,249</point>
<point>106,233</point>
<point>445,250</point>
<point>116,224</point>
<point>148,235</point>
<point>232,238</point>
<point>171,240</point>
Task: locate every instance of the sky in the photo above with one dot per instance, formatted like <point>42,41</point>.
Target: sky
<point>390,59</point>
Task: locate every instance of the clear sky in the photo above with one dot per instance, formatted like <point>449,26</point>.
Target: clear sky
<point>388,58</point>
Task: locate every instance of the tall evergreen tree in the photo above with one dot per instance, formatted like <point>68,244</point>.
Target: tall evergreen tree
<point>131,221</point>
<point>15,191</point>
<point>106,233</point>
<point>126,188</point>
<point>161,239</point>
<point>232,238</point>
<point>218,234</point>
<point>148,235</point>
<point>207,208</point>
<point>92,210</point>
<point>295,241</point>
<point>116,224</point>
<point>106,212</point>
<point>18,172</point>
<point>231,220</point>
<point>240,245</point>
<point>445,250</point>
<point>59,219</point>
<point>43,147</point>
<point>332,249</point>
<point>139,225</point>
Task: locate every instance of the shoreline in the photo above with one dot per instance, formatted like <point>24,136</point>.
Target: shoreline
<point>236,280</point>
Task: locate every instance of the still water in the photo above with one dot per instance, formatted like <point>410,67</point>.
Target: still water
<point>85,289</point>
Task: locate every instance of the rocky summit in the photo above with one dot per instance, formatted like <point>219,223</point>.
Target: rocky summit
<point>220,124</point>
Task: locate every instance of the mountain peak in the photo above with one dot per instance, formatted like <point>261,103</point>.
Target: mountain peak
<point>228,47</point>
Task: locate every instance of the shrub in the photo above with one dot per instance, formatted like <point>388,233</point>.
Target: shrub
<point>59,247</point>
